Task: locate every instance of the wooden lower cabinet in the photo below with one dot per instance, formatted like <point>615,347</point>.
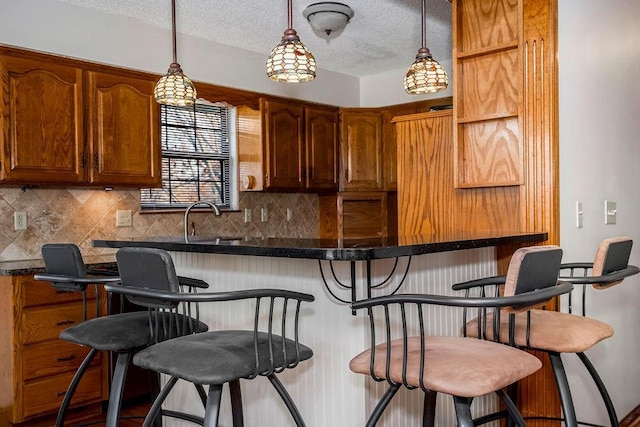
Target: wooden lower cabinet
<point>35,366</point>
<point>357,214</point>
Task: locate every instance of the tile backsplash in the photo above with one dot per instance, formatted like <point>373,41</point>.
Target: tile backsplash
<point>82,215</point>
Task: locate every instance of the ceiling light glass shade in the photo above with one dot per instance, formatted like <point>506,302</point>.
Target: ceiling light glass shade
<point>290,61</point>
<point>328,16</point>
<point>174,88</point>
<point>425,75</point>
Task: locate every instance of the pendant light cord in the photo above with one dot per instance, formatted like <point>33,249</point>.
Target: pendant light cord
<point>173,30</point>
<point>290,15</point>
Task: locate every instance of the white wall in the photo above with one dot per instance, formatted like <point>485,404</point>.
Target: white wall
<point>59,28</point>
<point>378,90</point>
<point>599,52</point>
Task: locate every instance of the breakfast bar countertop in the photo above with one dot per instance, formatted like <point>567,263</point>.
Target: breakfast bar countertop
<point>31,266</point>
<point>328,249</point>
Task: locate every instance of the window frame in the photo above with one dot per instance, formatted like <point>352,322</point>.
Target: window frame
<point>229,173</point>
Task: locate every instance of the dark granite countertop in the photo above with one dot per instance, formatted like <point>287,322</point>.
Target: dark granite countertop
<point>328,249</point>
<point>31,266</point>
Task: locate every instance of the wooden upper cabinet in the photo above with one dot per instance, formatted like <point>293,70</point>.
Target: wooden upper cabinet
<point>283,125</point>
<point>361,150</point>
<point>321,149</point>
<point>68,122</point>
<point>42,122</point>
<point>123,130</point>
<point>288,146</point>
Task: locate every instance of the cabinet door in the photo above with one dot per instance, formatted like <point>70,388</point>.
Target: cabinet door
<point>321,149</point>
<point>362,215</point>
<point>361,150</point>
<point>124,131</point>
<point>42,130</point>
<point>283,145</point>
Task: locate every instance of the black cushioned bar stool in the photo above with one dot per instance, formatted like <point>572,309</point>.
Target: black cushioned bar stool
<point>123,334</point>
<point>214,358</point>
<point>554,332</point>
<point>402,353</point>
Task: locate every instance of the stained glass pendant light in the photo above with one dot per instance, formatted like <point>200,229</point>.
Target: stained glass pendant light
<point>425,75</point>
<point>290,61</point>
<point>174,88</point>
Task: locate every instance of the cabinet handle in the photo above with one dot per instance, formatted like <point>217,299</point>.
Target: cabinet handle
<point>66,322</point>
<point>83,161</point>
<point>66,359</point>
<point>95,161</point>
<point>346,175</point>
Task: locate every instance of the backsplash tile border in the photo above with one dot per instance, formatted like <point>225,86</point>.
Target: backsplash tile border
<point>81,215</point>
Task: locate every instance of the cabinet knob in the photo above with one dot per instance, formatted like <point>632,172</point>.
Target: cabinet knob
<point>248,182</point>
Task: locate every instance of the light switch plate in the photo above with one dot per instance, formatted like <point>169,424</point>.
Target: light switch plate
<point>579,214</point>
<point>264,214</point>
<point>610,212</point>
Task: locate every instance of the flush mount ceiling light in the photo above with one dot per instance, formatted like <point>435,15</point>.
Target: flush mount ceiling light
<point>174,88</point>
<point>328,16</point>
<point>290,61</point>
<point>425,75</point>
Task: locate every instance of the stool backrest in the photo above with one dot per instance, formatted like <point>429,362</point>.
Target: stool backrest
<point>148,268</point>
<point>613,255</point>
<point>64,259</point>
<point>532,268</point>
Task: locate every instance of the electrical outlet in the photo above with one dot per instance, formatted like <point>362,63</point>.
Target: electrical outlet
<point>19,220</point>
<point>247,215</point>
<point>289,214</point>
<point>264,215</point>
<point>123,219</point>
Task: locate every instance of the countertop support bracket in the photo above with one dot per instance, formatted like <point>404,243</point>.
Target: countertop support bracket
<point>352,286</point>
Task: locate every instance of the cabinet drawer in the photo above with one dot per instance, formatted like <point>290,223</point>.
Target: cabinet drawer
<point>46,323</point>
<point>45,396</point>
<point>53,357</point>
<point>36,292</point>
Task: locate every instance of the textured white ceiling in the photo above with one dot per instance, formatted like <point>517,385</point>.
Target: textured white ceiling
<point>383,35</point>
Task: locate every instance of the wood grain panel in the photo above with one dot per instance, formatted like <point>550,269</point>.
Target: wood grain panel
<point>321,149</point>
<point>491,84</point>
<point>487,23</point>
<point>250,154</point>
<point>46,323</point>
<point>42,293</point>
<point>489,153</point>
<point>362,215</point>
<point>53,357</point>
<point>425,177</point>
<point>46,395</point>
<point>284,144</point>
<point>42,124</point>
<point>427,200</point>
<point>122,110</point>
<point>361,150</point>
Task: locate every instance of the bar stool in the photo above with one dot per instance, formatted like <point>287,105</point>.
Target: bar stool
<point>462,367</point>
<point>554,332</point>
<point>216,357</point>
<point>122,334</point>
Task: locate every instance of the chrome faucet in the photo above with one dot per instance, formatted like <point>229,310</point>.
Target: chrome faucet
<point>213,207</point>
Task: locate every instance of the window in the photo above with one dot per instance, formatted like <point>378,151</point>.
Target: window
<point>197,157</point>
